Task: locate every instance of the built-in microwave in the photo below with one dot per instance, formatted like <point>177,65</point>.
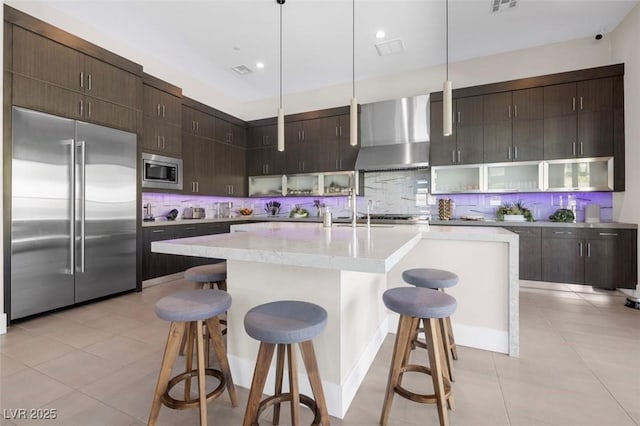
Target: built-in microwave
<point>161,172</point>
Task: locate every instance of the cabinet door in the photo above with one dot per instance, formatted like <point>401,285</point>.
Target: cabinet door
<point>222,130</point>
<point>157,264</point>
<point>238,173</point>
<point>161,137</point>
<point>197,161</point>
<point>329,159</point>
<point>262,136</point>
<point>442,149</point>
<point>530,254</point>
<point>46,60</point>
<point>293,147</point>
<point>560,121</point>
<point>229,170</point>
<point>600,266</point>
<point>104,81</point>
<point>498,128</point>
<point>197,122</point>
<point>40,96</point>
<point>348,154</point>
<point>595,118</point>
<point>469,129</point>
<point>238,135</point>
<point>528,125</point>
<point>562,256</point>
<point>110,114</point>
<point>171,108</point>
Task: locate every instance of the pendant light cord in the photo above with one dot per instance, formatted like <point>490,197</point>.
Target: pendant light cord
<point>353,44</point>
<point>447,36</point>
<point>281,53</point>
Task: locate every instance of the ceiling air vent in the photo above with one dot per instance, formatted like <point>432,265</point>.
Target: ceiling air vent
<point>500,5</point>
<point>390,47</point>
<point>242,70</point>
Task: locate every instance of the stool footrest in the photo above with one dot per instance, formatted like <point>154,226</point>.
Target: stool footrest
<point>283,397</point>
<point>417,397</point>
<point>178,404</point>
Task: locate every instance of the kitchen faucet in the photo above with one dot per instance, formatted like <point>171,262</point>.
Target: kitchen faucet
<point>353,205</point>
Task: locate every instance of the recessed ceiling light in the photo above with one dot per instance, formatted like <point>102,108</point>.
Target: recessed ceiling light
<point>259,65</point>
<point>380,34</point>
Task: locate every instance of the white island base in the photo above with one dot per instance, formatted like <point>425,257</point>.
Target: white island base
<point>345,271</point>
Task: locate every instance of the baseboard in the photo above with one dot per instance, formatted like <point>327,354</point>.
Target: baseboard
<point>3,323</point>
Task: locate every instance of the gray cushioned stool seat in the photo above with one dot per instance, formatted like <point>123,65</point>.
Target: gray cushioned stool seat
<point>193,305</point>
<point>419,302</point>
<point>430,278</point>
<point>207,273</point>
<point>285,322</point>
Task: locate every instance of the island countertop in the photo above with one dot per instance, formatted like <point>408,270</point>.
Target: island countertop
<point>375,248</point>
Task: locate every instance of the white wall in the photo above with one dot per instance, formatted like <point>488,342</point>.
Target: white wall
<point>549,59</point>
<point>626,205</point>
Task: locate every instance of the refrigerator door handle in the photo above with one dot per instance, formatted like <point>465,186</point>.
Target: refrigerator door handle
<point>83,159</point>
<point>72,209</point>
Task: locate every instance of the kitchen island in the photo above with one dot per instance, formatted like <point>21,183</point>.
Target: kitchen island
<point>346,270</point>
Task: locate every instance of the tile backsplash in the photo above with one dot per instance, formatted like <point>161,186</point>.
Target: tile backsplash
<point>403,192</point>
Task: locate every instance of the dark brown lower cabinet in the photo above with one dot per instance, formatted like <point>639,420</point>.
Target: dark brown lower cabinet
<point>156,264</point>
<point>602,258</point>
<point>530,240</point>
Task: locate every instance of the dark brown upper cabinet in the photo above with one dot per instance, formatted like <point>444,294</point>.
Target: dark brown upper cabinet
<point>52,77</point>
<point>336,152</point>
<point>198,164</point>
<point>465,145</point>
<point>162,119</point>
<point>229,170</point>
<point>196,122</point>
<point>579,119</point>
<point>262,136</point>
<point>513,126</point>
<point>230,133</point>
<point>263,157</point>
<point>303,146</point>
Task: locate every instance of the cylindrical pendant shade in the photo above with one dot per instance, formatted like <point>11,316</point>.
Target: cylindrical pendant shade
<point>280,129</point>
<point>447,112</point>
<point>353,123</point>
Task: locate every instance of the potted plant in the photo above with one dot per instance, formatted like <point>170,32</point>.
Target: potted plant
<point>514,212</point>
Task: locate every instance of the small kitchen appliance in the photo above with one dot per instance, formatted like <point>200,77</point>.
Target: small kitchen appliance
<point>592,213</point>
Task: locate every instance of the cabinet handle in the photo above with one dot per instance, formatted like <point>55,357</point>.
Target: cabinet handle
<point>509,153</point>
<point>163,110</point>
<point>81,108</point>
<point>340,131</point>
<point>82,79</point>
<point>337,131</point>
<point>581,102</point>
<point>562,232</point>
<point>573,148</point>
<point>588,249</point>
<point>608,234</point>
<point>197,186</point>
<point>515,110</point>
<point>515,152</point>
<point>158,141</point>
<point>89,109</point>
<point>89,77</point>
<point>299,137</point>
<point>459,156</point>
<point>302,134</point>
<point>163,145</point>
<point>581,149</point>
<point>190,228</point>
<point>158,113</point>
<point>453,157</point>
<point>574,103</point>
<point>580,245</point>
<point>155,231</point>
<point>458,116</point>
<point>336,164</point>
<point>509,107</point>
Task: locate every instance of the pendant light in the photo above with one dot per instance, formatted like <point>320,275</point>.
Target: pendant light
<point>280,110</point>
<point>353,125</point>
<point>447,110</point>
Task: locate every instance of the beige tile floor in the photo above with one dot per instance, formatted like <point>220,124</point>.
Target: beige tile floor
<point>98,364</point>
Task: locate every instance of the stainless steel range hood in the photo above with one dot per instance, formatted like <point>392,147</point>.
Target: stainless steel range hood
<point>394,134</point>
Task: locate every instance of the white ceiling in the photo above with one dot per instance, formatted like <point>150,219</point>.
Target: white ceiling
<point>205,39</point>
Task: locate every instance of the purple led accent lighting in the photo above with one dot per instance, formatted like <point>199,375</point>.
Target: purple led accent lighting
<point>541,204</point>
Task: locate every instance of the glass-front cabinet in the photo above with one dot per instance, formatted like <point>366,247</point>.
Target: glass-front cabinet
<point>514,177</point>
<point>304,184</point>
<point>584,174</point>
<point>457,179</point>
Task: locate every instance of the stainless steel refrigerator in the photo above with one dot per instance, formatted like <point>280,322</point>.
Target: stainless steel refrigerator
<point>73,212</point>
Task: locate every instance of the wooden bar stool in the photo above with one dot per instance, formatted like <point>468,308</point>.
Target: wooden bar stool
<point>209,276</point>
<point>436,279</point>
<point>415,304</point>
<point>195,309</point>
<point>280,325</point>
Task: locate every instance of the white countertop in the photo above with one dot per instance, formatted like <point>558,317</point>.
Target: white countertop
<point>373,249</point>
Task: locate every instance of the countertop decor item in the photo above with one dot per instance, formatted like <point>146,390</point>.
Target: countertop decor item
<point>273,208</point>
<point>245,211</point>
<point>562,215</point>
<point>298,212</point>
<point>514,212</point>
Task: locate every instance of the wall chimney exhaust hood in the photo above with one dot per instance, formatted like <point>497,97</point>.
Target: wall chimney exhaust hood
<point>394,134</point>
